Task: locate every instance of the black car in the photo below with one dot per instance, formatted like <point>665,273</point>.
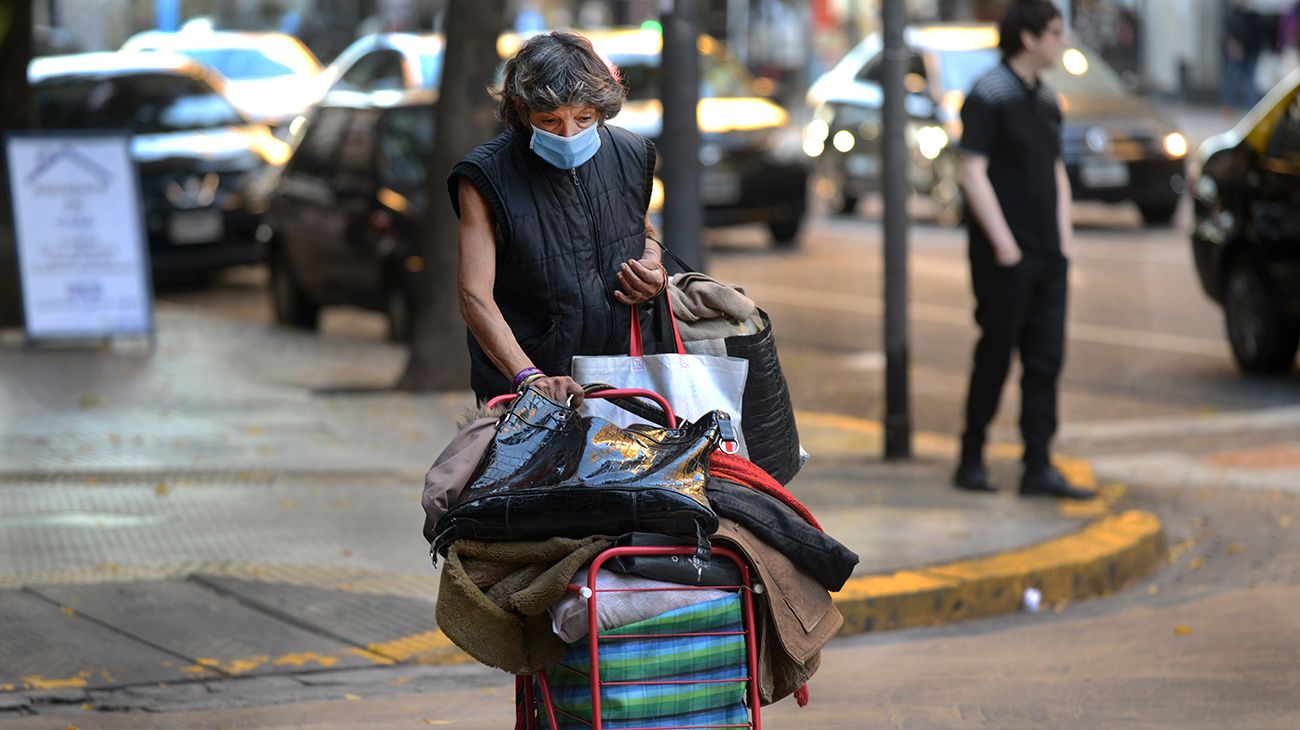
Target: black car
<point>1116,147</point>
<point>752,167</point>
<point>347,209</point>
<point>1246,241</point>
<point>195,154</point>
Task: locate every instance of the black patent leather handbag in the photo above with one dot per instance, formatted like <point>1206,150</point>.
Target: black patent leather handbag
<point>551,472</point>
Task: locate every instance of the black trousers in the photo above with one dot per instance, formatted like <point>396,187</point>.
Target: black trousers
<point>1018,308</point>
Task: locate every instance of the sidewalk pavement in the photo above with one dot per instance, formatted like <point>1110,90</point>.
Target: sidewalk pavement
<point>232,520</point>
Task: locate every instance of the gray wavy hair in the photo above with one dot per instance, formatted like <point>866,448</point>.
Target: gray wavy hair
<point>553,70</point>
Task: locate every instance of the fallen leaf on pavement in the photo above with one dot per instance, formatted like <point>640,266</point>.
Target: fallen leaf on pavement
<point>287,503</point>
<point>1196,563</point>
<point>1153,589</point>
<point>1284,521</point>
<point>1234,548</point>
<point>69,610</point>
<point>161,489</point>
<point>351,697</point>
<point>1182,630</point>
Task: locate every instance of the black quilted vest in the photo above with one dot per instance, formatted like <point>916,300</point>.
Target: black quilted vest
<point>561,236</point>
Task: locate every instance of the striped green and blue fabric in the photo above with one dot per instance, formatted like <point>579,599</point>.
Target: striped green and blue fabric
<point>689,659</point>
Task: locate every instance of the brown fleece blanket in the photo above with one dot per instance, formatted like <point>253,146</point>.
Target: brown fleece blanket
<point>493,597</point>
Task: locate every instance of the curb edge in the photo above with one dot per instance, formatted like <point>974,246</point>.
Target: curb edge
<point>1106,555</point>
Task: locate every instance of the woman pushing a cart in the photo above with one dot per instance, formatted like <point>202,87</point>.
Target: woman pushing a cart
<point>553,228</point>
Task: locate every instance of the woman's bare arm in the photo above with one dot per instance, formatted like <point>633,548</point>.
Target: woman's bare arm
<point>476,277</point>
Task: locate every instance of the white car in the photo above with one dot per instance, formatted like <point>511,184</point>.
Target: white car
<point>386,62</point>
<point>270,77</point>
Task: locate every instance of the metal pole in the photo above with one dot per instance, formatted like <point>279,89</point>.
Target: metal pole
<point>168,14</point>
<point>898,425</point>
<point>679,143</point>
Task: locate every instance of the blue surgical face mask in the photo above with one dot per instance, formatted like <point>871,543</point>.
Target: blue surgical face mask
<point>566,153</point>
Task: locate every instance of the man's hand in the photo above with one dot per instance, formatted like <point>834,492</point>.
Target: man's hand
<point>639,281</point>
<point>1007,254</point>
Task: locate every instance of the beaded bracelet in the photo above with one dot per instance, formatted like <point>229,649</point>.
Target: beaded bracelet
<point>523,375</point>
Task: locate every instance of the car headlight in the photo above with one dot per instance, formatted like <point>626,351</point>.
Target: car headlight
<point>1175,145</point>
<point>930,141</point>
<point>814,137</point>
<point>1206,190</point>
<point>843,140</point>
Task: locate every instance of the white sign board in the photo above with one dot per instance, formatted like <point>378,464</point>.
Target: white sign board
<point>82,254</point>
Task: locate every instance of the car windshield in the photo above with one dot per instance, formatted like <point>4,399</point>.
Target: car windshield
<point>145,104</point>
<point>1079,73</point>
<point>239,64</point>
<point>719,77</point>
<point>430,69</point>
<point>959,69</point>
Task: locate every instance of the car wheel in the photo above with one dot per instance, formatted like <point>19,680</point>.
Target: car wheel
<point>397,305</point>
<point>292,307</point>
<point>1263,340</point>
<point>1158,214</point>
<point>785,231</point>
<point>831,185</point>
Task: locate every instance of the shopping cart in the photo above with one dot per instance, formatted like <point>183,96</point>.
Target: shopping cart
<point>536,696</point>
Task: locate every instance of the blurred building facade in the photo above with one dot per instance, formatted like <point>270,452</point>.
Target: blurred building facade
<point>1170,47</point>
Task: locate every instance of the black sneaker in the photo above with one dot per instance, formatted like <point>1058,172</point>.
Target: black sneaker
<point>1046,481</point>
<point>973,478</point>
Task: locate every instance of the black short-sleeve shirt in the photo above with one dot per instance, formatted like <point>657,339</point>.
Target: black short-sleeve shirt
<point>1018,128</point>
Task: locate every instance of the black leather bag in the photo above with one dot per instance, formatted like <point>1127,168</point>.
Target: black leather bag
<point>670,568</point>
<point>551,472</point>
<point>768,415</point>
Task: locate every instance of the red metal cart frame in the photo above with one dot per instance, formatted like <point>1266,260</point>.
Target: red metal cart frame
<point>746,588</point>
<point>591,590</point>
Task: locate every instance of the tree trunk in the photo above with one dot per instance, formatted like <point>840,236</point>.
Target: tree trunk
<point>439,359</point>
<point>16,112</point>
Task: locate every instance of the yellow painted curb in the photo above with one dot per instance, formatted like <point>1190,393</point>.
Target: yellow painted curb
<point>1104,556</point>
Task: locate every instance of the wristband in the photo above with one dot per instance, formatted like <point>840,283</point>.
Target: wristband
<point>529,381</point>
<point>523,376</point>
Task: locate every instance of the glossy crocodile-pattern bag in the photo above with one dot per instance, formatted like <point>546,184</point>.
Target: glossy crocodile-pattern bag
<point>551,472</point>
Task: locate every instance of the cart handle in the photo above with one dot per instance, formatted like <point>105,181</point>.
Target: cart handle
<point>610,393</point>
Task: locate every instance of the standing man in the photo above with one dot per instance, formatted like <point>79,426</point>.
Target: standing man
<point>1242,42</point>
<point>1018,197</point>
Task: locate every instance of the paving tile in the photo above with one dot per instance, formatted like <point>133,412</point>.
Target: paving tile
<point>208,628</point>
<point>358,618</point>
<point>42,644</point>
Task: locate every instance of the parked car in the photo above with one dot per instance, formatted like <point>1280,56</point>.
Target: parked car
<point>1116,146</point>
<point>195,153</point>
<point>386,62</point>
<point>271,77</point>
<point>347,210</point>
<point>750,152</point>
<point>1246,239</point>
